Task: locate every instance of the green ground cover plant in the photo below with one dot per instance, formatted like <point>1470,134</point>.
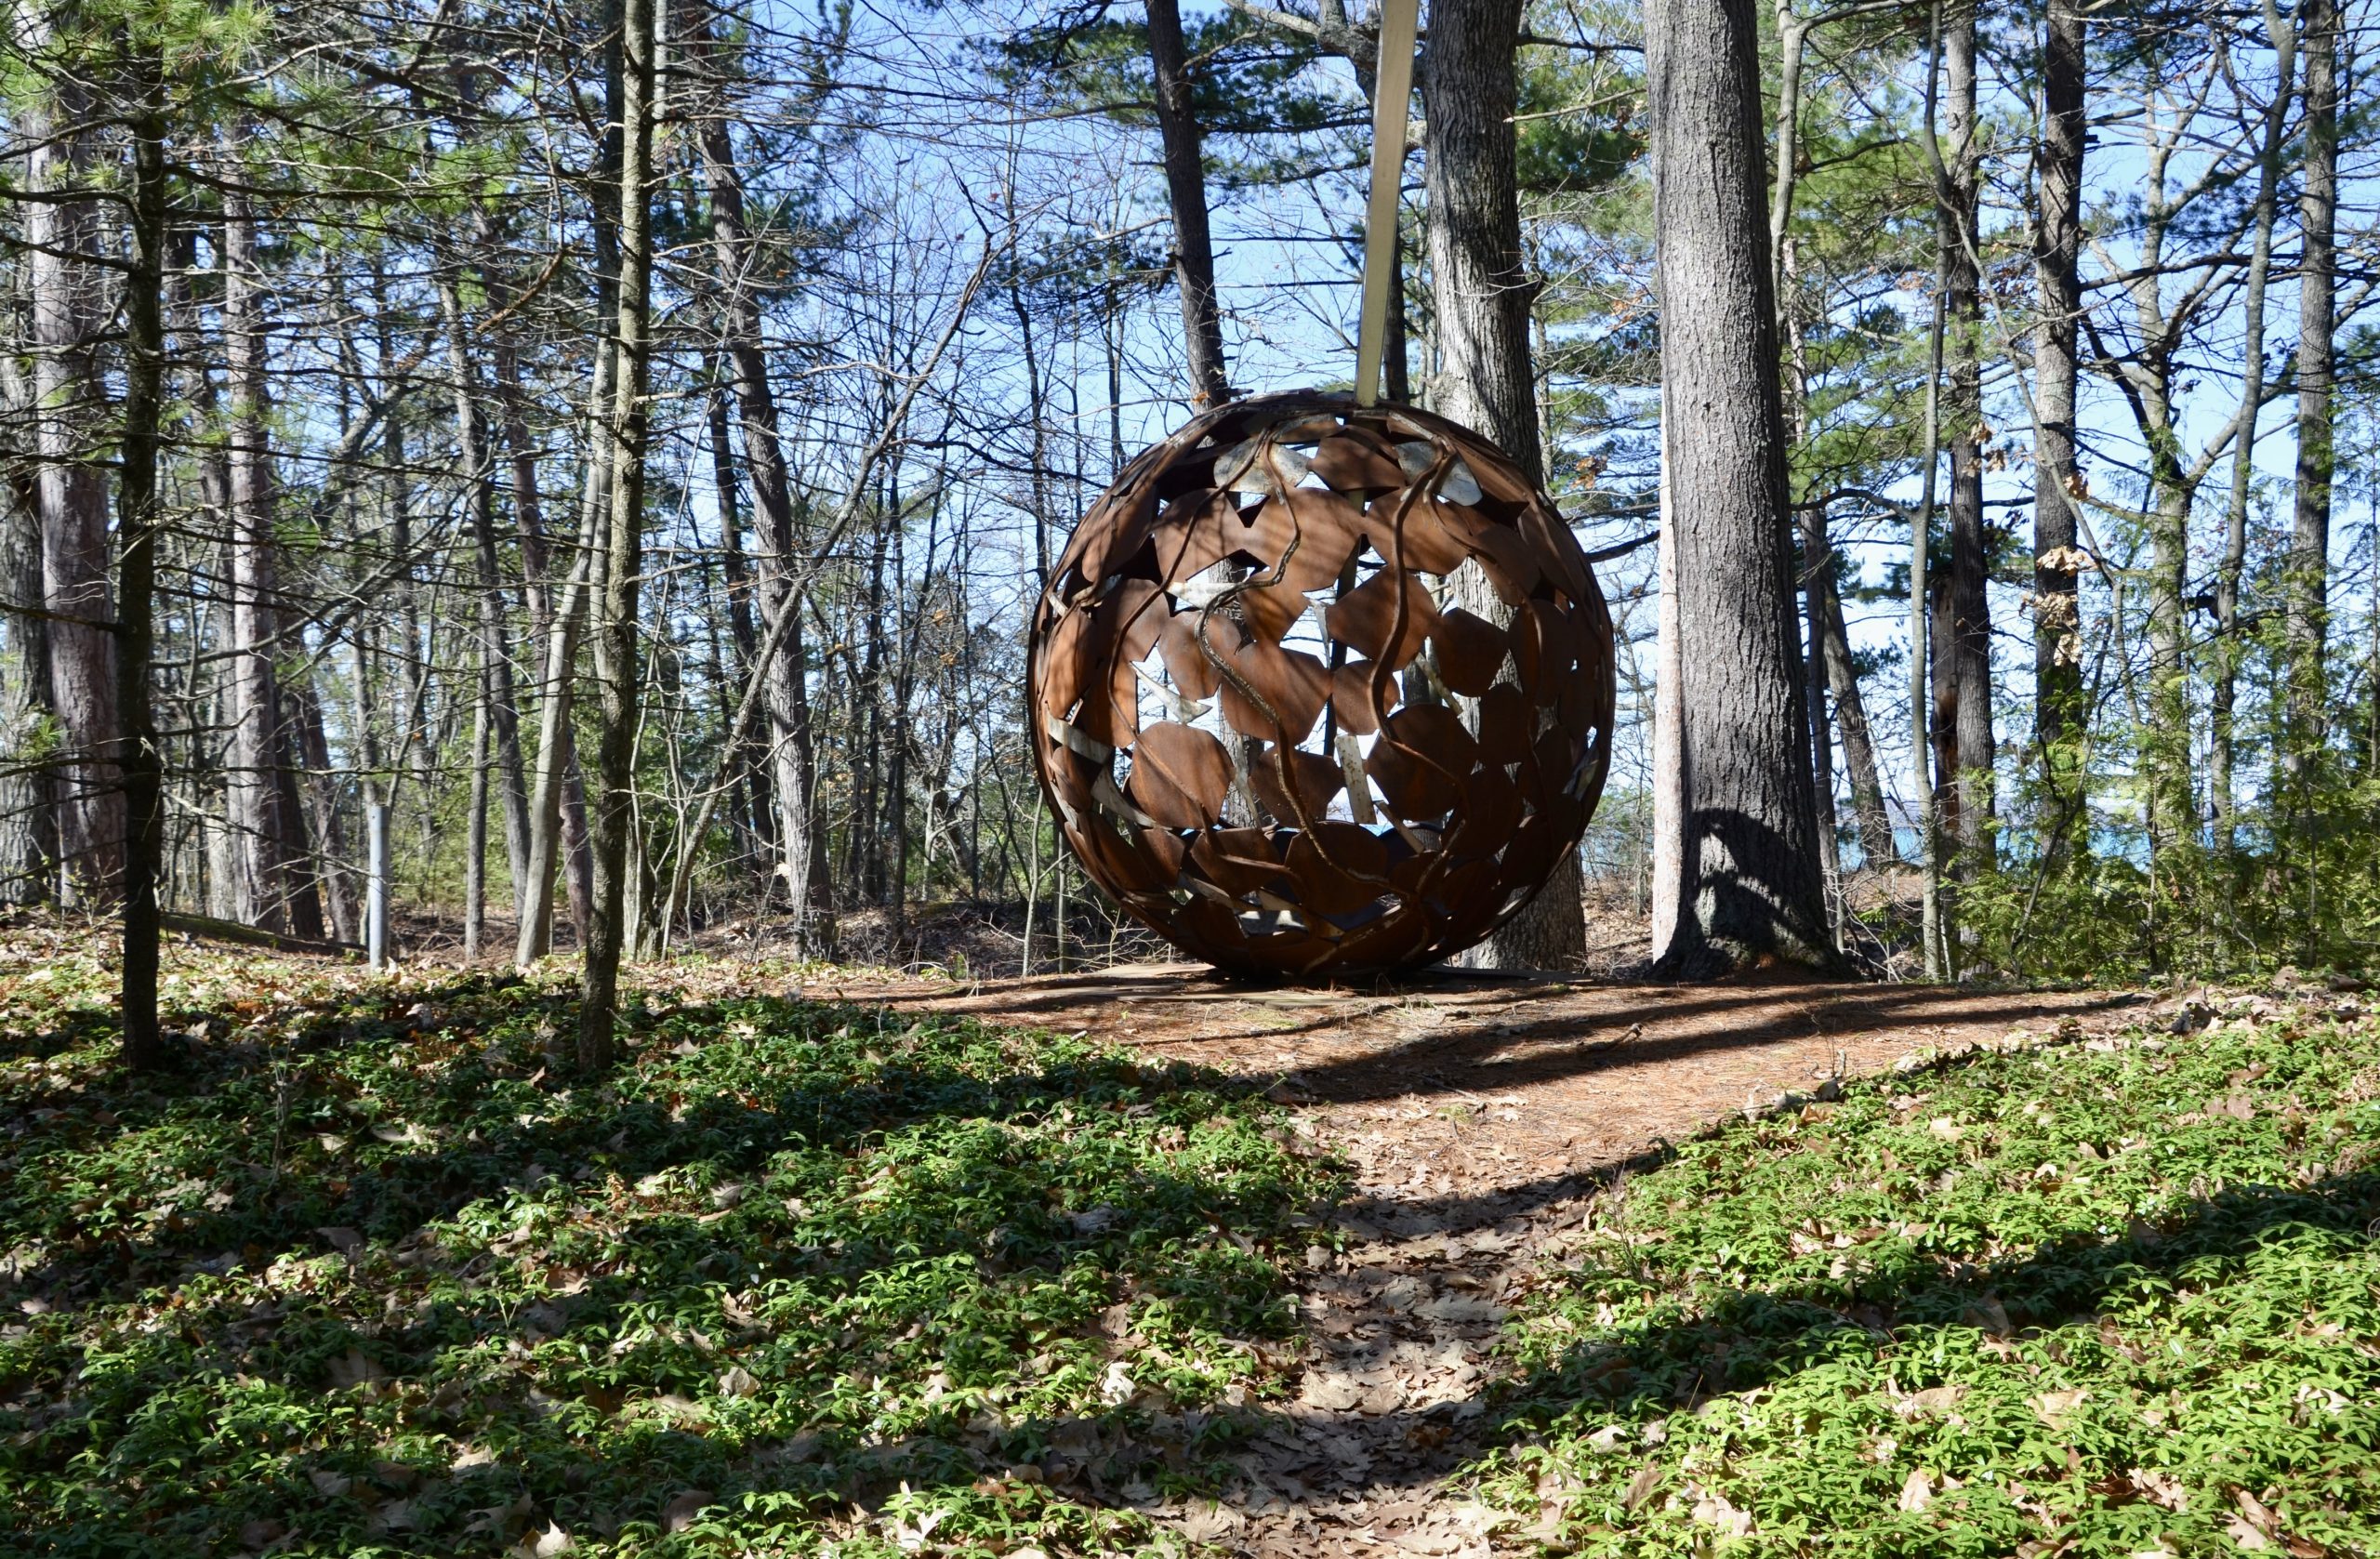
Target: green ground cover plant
<point>374,1275</point>
<point>2109,1299</point>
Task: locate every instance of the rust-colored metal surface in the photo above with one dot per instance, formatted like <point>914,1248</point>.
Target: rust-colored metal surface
<point>1268,722</point>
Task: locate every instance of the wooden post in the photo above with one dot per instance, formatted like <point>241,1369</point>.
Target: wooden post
<point>1392,108</point>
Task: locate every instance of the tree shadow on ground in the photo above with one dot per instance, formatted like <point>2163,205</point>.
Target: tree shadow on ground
<point>808,1261</point>
<point>372,1126</point>
<point>807,1266</point>
<point>1512,1046</point>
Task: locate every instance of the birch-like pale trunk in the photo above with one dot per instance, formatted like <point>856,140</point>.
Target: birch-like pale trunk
<point>497,703</point>
<point>784,671</point>
<point>2222,755</point>
<point>252,793</point>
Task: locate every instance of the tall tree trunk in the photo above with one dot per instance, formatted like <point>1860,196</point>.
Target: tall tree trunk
<point>1482,294</point>
<point>749,770</point>
<point>557,811</point>
<point>1751,888</point>
<point>611,811</point>
<point>865,863</point>
<point>26,819</point>
<point>2173,807</point>
<point>1842,674</point>
<point>475,821</point>
<point>1968,595</point>
<point>323,812</point>
<point>69,315</point>
<point>1950,797</point>
<point>782,572</point>
<point>2059,715</point>
<point>2221,779</point>
<point>1186,187</point>
<point>499,701</point>
<point>565,621</point>
<point>251,785</point>
<point>1829,825</point>
<point>539,586</point>
<point>138,770</point>
<point>300,880</point>
<point>2308,586</point>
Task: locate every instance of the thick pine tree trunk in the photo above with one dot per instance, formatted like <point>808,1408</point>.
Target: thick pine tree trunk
<point>1941,664</point>
<point>25,814</point>
<point>1749,888</point>
<point>2307,587</point>
<point>252,790</point>
<point>1482,293</point>
<point>2059,715</point>
<point>69,315</point>
<point>1185,186</point>
<point>1968,598</point>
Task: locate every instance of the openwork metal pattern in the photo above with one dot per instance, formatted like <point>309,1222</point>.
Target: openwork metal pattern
<point>1266,724</point>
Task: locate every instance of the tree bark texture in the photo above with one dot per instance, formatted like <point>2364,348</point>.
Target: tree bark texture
<point>2229,651</point>
<point>138,770</point>
<point>2058,716</point>
<point>1869,817</point>
<point>26,840</point>
<point>251,786</point>
<point>2308,586</point>
<point>498,701</point>
<point>1968,596</point>
<point>1186,188</point>
<point>782,569</point>
<point>1751,888</point>
<point>70,310</point>
<point>611,810</point>
<point>1482,293</point>
<point>1480,278</point>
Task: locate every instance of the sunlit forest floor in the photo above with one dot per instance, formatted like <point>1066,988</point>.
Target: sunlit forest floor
<point>851,1263</point>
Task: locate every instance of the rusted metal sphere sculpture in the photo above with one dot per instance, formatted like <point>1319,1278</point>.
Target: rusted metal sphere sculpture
<point>1320,689</point>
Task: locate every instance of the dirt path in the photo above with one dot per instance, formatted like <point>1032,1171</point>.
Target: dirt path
<point>1479,1112</point>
